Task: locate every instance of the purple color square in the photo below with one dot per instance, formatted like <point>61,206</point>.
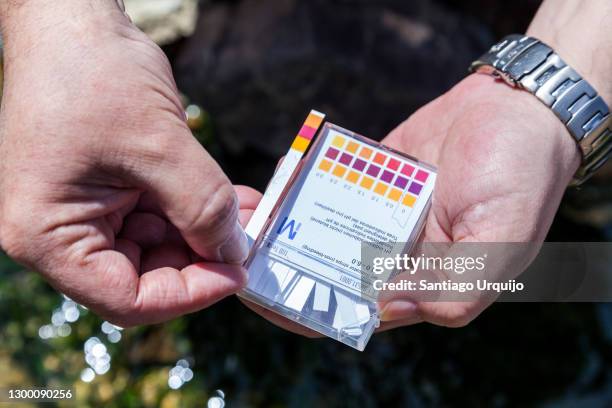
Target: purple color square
<point>346,158</point>
<point>332,153</point>
<point>401,182</point>
<point>415,188</point>
<point>359,165</point>
<point>387,176</point>
<point>373,170</point>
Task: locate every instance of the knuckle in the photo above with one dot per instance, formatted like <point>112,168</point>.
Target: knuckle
<point>216,212</point>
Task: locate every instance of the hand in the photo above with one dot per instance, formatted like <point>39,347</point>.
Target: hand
<point>103,189</point>
<point>504,161</point>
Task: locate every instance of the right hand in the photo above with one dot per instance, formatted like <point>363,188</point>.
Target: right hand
<point>103,189</point>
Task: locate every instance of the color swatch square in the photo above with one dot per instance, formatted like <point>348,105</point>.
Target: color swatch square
<point>409,200</point>
<point>313,121</point>
<point>395,194</point>
<point>373,170</point>
<point>415,188</point>
<point>393,164</point>
<point>339,171</point>
<point>325,165</point>
<point>300,144</point>
<point>380,158</point>
<point>352,147</point>
<point>359,164</point>
<point>365,152</point>
<point>380,188</point>
<point>366,182</point>
<point>387,176</point>
<point>421,176</point>
<point>338,142</point>
<point>307,132</point>
<point>407,170</point>
<point>353,176</point>
<point>401,182</point>
<point>346,158</point>
<point>332,153</point>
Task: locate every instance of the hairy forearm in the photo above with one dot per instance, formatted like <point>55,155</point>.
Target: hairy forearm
<point>581,33</point>
<point>24,20</point>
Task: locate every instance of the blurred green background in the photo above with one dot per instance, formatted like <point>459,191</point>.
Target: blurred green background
<point>250,71</point>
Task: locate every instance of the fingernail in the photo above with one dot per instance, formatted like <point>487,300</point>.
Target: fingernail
<point>236,249</point>
<point>398,309</point>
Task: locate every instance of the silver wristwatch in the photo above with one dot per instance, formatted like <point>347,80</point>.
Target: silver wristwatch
<point>529,64</point>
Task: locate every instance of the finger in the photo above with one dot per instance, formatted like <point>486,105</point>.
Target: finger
<point>248,198</point>
<point>166,292</point>
<point>244,216</point>
<point>409,321</point>
<point>145,229</point>
<point>196,197</point>
<point>281,321</point>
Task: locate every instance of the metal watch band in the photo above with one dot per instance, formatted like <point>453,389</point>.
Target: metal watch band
<point>527,63</point>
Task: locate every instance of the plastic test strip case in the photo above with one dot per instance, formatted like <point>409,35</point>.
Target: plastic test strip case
<point>334,194</point>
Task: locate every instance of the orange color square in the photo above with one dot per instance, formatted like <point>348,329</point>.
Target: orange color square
<point>352,147</point>
<point>365,152</point>
<point>325,165</point>
<point>380,158</point>
<point>339,171</point>
<point>395,194</point>
<point>353,176</point>
<point>409,200</point>
<point>366,182</point>
<point>380,189</point>
<point>313,121</point>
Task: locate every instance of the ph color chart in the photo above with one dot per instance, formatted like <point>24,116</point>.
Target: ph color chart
<point>373,170</point>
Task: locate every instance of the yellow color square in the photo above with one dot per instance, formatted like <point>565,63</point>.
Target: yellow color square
<point>338,142</point>
<point>395,194</point>
<point>300,144</point>
<point>339,171</point>
<point>366,182</point>
<point>325,165</point>
<point>353,176</point>
<point>352,147</point>
<point>409,200</point>
<point>365,152</point>
<point>380,189</point>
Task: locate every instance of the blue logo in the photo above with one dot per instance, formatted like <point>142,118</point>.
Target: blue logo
<point>291,226</point>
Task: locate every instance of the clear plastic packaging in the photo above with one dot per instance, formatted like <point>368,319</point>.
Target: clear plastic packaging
<point>346,195</point>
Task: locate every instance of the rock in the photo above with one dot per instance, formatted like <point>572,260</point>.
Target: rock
<point>164,20</point>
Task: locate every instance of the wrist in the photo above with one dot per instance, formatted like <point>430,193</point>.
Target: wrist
<point>517,107</point>
<point>578,32</point>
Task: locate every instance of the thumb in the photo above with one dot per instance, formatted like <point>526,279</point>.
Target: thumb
<point>198,199</point>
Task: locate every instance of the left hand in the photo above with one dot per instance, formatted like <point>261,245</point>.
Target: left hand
<point>504,161</point>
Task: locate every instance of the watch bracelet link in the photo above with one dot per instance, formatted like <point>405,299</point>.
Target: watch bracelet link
<point>527,63</point>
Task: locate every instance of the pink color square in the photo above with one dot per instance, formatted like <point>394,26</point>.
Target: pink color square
<point>393,164</point>
<point>407,170</point>
<point>421,176</point>
<point>307,132</point>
